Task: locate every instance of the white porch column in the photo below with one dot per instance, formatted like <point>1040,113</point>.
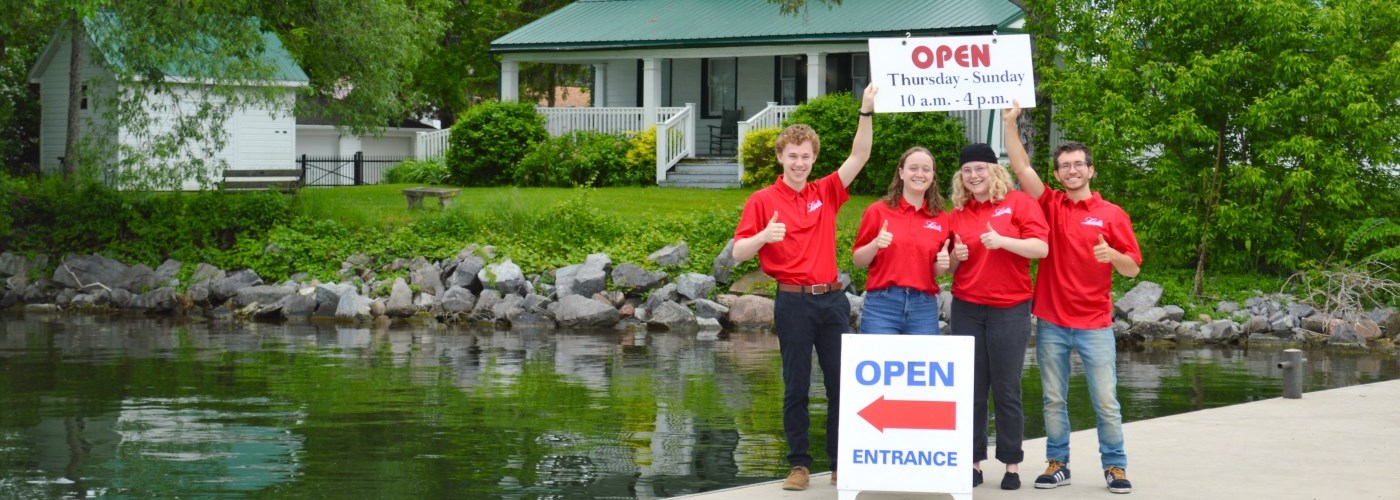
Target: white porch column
<point>600,85</point>
<point>651,90</point>
<point>510,81</point>
<point>816,74</point>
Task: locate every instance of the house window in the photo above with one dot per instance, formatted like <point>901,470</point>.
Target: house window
<point>788,79</point>
<point>82,104</point>
<point>721,86</point>
<point>860,74</point>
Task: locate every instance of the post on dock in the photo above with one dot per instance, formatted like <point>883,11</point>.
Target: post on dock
<point>1292,366</point>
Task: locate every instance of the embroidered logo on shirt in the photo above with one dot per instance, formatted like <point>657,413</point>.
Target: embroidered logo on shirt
<point>1002,211</point>
<point>1090,221</point>
<point>928,224</point>
<point>813,205</point>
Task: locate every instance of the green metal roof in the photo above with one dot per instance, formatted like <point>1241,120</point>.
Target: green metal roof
<point>103,30</point>
<point>597,24</point>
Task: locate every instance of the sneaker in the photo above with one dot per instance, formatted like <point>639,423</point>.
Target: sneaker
<point>1011,481</point>
<point>1057,474</point>
<point>1117,480</point>
<point>833,478</point>
<point>797,479</point>
<point>976,477</point>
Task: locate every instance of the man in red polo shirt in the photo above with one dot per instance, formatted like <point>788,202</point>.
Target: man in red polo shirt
<point>791,227</point>
<point>1090,238</point>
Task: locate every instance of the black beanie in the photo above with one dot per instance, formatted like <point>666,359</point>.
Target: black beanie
<point>977,152</point>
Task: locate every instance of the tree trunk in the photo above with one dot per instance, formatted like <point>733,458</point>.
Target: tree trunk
<point>75,97</point>
<point>1212,198</point>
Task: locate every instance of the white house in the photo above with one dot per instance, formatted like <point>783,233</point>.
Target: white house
<point>260,137</point>
<point>680,64</point>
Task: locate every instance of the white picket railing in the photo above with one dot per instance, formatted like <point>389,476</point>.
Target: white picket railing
<point>771,116</point>
<point>675,139</point>
<point>431,145</point>
<point>560,121</point>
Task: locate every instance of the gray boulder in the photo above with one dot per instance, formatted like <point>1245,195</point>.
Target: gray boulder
<point>611,297</point>
<point>509,305</point>
<point>261,294</point>
<point>751,311</point>
<point>592,277</point>
<point>1344,334</point>
<point>205,272</point>
<point>1145,294</point>
<point>1301,311</point>
<point>1282,322</point>
<point>1366,329</point>
<point>223,289</point>
<point>119,297</point>
<point>13,265</point>
<point>671,255</point>
<point>486,304</point>
<point>575,311</point>
<point>299,305</point>
<point>160,300</point>
<point>1175,313</point>
<point>708,325</point>
<point>166,272</point>
<point>89,271</point>
<point>632,279</point>
<point>705,308</point>
<point>1221,331</point>
<point>659,295</point>
<point>1147,315</point>
<point>1188,331</point>
<point>671,316</point>
<point>428,277</point>
<point>505,277</point>
<point>400,303</point>
<point>1154,330</point>
<point>1255,324</point>
<point>353,307</point>
<point>139,279</point>
<point>564,279</point>
<point>694,285</point>
<point>1226,307</point>
<point>466,273</point>
<point>724,263</point>
<point>331,292</point>
<point>457,300</point>
<point>378,308</point>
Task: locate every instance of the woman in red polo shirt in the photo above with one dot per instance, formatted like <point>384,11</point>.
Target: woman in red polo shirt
<point>902,240</point>
<point>996,233</point>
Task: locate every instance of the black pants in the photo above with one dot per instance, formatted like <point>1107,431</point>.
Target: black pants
<point>1002,334</point>
<point>802,322</point>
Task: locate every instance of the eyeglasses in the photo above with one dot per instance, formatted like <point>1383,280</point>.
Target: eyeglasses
<point>978,169</point>
<point>1080,165</point>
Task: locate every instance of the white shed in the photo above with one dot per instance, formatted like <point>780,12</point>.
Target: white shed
<point>260,138</point>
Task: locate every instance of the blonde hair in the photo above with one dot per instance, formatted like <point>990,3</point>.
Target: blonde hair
<point>1000,179</point>
<point>797,134</point>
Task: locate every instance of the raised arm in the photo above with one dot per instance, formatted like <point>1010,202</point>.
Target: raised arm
<point>860,147</point>
<point>1020,161</point>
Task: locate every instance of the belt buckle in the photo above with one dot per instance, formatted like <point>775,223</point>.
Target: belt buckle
<point>820,289</point>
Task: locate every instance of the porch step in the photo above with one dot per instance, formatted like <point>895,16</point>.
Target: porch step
<point>721,173</point>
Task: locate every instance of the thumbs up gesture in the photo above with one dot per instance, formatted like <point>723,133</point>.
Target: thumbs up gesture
<point>885,237</point>
<point>1103,252</point>
<point>991,239</point>
<point>959,249</point>
<point>942,261</point>
<point>775,230</point>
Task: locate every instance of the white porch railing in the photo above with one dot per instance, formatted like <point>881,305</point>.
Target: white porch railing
<point>771,116</point>
<point>675,139</point>
<point>431,145</point>
<point>560,121</point>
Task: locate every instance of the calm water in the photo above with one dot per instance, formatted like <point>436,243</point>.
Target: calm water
<point>140,408</point>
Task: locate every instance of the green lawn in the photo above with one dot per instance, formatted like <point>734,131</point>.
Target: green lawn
<point>385,206</point>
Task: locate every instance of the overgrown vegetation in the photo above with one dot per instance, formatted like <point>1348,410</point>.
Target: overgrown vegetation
<point>579,158</point>
<point>417,172</point>
<point>490,139</point>
<point>760,161</point>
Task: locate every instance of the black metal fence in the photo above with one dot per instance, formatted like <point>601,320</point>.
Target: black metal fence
<point>356,170</point>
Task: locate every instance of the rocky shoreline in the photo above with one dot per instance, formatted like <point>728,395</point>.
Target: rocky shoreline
<point>476,287</point>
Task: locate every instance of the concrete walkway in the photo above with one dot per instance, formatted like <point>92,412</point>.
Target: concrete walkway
<point>1338,444</point>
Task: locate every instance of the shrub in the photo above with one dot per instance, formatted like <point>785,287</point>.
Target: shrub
<point>417,172</point>
<point>834,117</point>
<point>490,139</point>
<point>579,158</point>
<point>760,161</point>
<point>641,157</point>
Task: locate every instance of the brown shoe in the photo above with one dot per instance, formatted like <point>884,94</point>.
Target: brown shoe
<point>797,479</point>
<point>833,478</point>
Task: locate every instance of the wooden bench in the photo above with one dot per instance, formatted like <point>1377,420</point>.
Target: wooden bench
<point>242,180</point>
<point>444,196</point>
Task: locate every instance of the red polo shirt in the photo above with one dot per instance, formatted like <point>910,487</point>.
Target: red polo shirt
<point>1072,287</point>
<point>997,278</point>
<point>909,260</point>
<point>807,254</point>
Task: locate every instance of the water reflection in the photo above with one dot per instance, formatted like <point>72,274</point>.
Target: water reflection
<point>143,408</point>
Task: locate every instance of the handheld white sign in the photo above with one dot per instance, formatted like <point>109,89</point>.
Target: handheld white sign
<point>951,73</point>
<point>906,414</point>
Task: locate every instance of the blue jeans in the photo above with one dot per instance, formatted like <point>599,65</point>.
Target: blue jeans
<point>1053,344</point>
<point>806,323</point>
<point>896,309</point>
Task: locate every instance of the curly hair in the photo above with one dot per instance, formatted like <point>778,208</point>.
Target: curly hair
<point>1000,179</point>
<point>933,200</point>
<point>797,134</point>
